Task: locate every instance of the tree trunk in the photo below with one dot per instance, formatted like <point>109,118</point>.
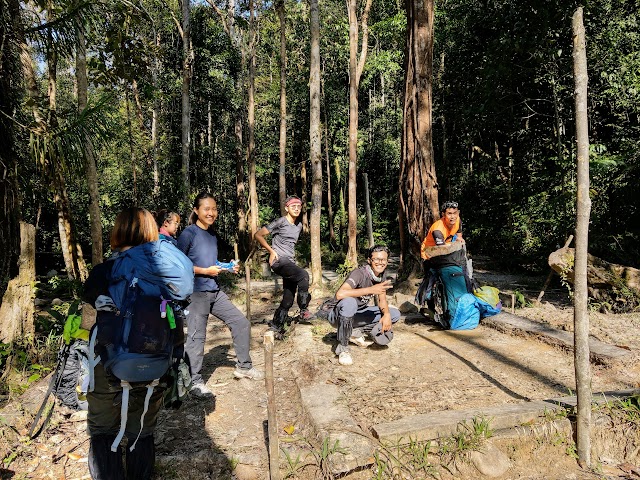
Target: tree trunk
<point>580,298</point>
<point>332,233</point>
<point>154,123</point>
<point>418,186</point>
<point>187,60</point>
<point>352,250</point>
<point>303,196</point>
<point>251,123</point>
<point>9,191</point>
<point>356,67</point>
<point>367,209</point>
<point>71,252</point>
<point>315,149</point>
<point>91,170</point>
<point>282,179</point>
<point>132,150</point>
<point>17,309</point>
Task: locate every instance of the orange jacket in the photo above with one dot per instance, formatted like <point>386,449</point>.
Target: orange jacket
<point>430,240</point>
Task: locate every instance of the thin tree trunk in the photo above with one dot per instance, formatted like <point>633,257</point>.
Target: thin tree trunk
<point>303,196</point>
<point>580,298</point>
<point>71,253</point>
<point>355,71</point>
<point>132,151</point>
<point>315,149</point>
<point>91,170</point>
<point>418,186</point>
<point>332,233</point>
<point>367,208</point>
<point>282,180</point>
<point>154,123</point>
<point>187,58</point>
<point>251,123</point>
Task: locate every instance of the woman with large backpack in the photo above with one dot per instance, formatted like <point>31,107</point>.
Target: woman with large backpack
<point>132,344</point>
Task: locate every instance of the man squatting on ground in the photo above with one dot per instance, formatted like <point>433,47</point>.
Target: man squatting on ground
<point>352,314</point>
<point>284,235</point>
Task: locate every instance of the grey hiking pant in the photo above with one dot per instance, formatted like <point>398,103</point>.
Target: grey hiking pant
<point>218,304</point>
<point>364,319</point>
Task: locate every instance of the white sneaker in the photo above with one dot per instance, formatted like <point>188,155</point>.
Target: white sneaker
<point>252,373</point>
<point>344,358</point>
<point>200,390</point>
<point>360,341</point>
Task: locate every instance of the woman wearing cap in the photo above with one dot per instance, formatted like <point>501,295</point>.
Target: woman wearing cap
<point>284,235</point>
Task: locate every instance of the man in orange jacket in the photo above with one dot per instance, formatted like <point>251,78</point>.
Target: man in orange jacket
<point>446,230</point>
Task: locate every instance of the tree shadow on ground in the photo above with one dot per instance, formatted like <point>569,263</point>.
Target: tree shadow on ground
<point>185,449</point>
<point>499,357</point>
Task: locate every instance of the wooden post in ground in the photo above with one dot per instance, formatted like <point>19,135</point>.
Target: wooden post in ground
<point>274,464</point>
<point>583,210</point>
<point>550,276</point>
<point>247,278</point>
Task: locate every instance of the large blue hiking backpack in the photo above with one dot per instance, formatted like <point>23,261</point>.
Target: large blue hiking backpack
<point>135,331</point>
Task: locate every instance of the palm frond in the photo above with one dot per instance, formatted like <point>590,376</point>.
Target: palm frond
<point>65,147</point>
<point>65,21</point>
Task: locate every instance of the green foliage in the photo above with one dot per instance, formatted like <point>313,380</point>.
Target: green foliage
<point>61,286</point>
<point>503,128</point>
<point>521,300</point>
<point>30,359</point>
<point>294,465</point>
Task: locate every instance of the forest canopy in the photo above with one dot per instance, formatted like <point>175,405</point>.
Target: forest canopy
<point>502,123</point>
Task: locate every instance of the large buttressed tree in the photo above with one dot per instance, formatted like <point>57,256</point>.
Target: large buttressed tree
<point>418,186</point>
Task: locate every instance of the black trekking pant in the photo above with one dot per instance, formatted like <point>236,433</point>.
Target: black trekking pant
<point>293,278</point>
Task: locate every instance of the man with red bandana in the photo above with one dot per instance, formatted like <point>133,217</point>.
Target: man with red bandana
<point>284,235</point>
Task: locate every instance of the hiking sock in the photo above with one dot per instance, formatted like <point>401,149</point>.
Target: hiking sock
<point>103,463</point>
<point>345,329</point>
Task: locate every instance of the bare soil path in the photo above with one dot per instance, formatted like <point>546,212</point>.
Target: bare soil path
<point>425,369</point>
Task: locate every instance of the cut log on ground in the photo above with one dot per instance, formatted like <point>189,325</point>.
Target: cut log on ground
<point>615,287</point>
<point>18,307</point>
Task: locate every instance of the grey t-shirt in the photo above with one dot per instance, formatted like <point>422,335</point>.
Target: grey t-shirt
<point>284,236</point>
<point>361,278</point>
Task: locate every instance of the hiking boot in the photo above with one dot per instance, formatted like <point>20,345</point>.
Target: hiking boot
<point>303,299</point>
<point>360,341</point>
<point>252,373</point>
<point>344,358</point>
<point>279,323</point>
<point>200,390</point>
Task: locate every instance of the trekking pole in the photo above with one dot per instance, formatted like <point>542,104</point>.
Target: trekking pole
<point>272,422</point>
<point>54,384</point>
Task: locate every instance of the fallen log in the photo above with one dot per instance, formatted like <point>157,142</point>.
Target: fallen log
<point>615,287</point>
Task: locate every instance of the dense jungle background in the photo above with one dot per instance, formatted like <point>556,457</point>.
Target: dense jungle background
<point>108,83</point>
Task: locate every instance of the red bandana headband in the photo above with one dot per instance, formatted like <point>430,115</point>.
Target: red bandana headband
<point>293,201</point>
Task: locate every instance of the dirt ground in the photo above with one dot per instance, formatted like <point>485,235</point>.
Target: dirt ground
<point>424,369</point>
